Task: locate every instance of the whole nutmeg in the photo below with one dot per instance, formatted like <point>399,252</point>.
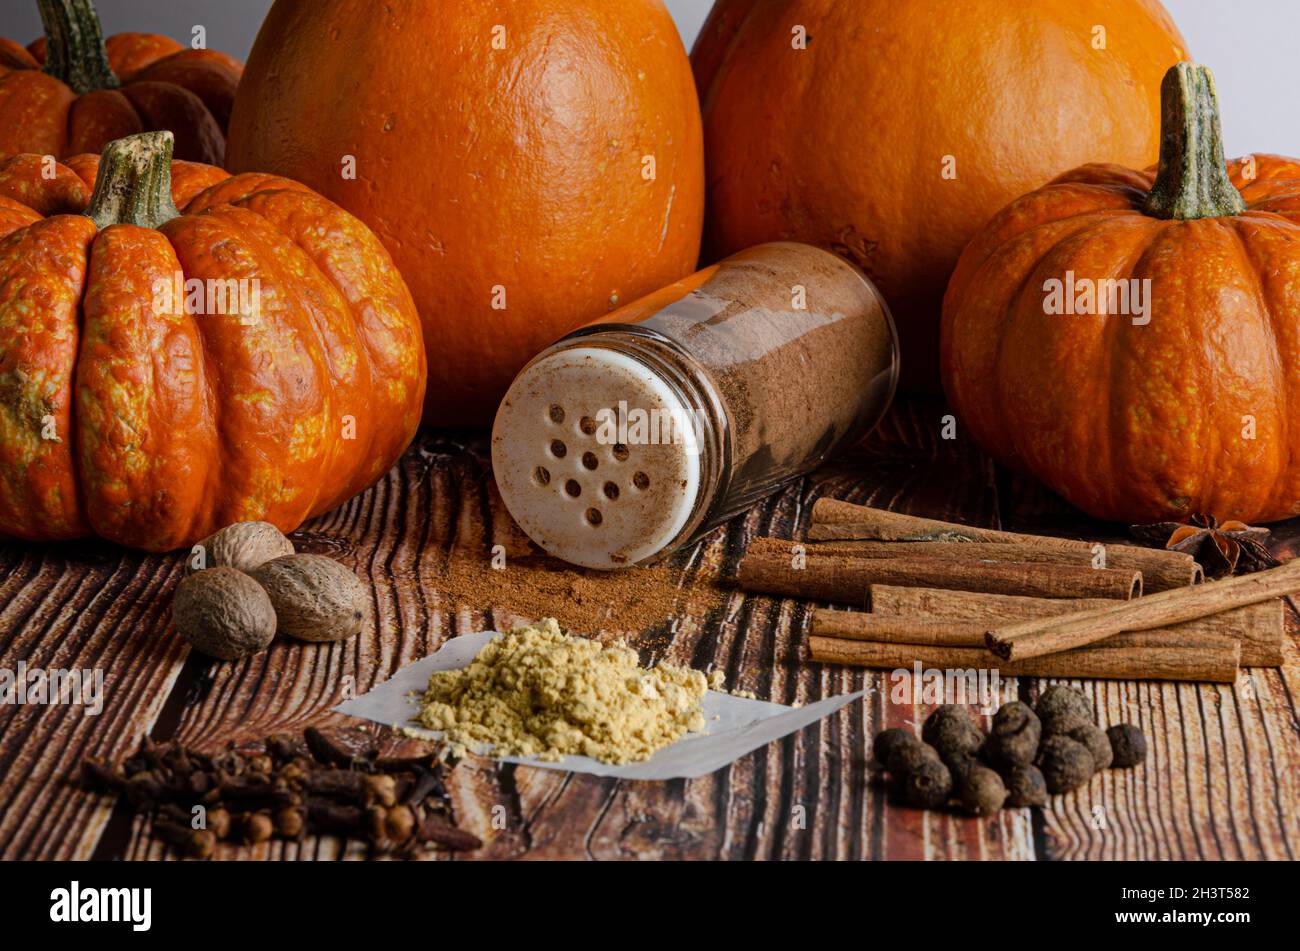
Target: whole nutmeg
<point>224,613</point>
<point>315,598</point>
<point>243,545</point>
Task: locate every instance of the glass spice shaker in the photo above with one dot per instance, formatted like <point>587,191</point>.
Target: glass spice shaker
<point>635,434</point>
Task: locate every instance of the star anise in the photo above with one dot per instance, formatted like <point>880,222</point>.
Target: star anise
<point>1233,548</point>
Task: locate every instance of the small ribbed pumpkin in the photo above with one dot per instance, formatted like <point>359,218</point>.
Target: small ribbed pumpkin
<point>133,408</point>
<point>1192,407</point>
<point>70,93</point>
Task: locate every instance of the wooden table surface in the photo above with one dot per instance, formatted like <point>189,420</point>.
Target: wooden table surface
<point>1222,780</point>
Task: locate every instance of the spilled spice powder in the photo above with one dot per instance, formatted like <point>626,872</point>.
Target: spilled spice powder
<point>532,587</point>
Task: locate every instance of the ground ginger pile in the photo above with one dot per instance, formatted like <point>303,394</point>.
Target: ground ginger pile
<point>538,692</point>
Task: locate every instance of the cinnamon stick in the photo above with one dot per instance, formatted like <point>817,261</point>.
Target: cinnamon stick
<point>1039,637</point>
<point>837,578</point>
<point>1215,664</point>
<point>833,520</point>
<point>1159,573</point>
<point>972,605</point>
<point>1213,631</point>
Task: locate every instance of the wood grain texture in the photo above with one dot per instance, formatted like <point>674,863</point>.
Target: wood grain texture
<point>1222,779</point>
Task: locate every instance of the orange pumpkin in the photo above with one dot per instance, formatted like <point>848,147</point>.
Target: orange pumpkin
<point>70,92</point>
<point>1133,338</point>
<point>134,407</point>
<point>530,166</point>
<point>890,131</point>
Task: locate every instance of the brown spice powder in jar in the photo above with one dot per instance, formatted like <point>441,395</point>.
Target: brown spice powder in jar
<point>802,350</point>
<point>767,363</point>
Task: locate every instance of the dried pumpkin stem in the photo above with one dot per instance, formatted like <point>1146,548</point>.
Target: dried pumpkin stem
<point>74,45</point>
<point>134,186</point>
<point>1193,180</point>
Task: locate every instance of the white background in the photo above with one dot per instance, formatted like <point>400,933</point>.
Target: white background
<point>1250,45</point>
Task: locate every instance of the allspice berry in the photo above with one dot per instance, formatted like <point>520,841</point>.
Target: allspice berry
<point>243,545</point>
<point>905,757</point>
<point>957,741</point>
<point>315,598</point>
<point>224,613</point>
<point>887,741</point>
<point>1065,763</point>
<point>940,715</point>
<point>981,791</point>
<point>951,732</point>
<point>1013,738</point>
<point>1062,708</point>
<point>1025,786</point>
<point>1093,737</point>
<point>1128,745</point>
<point>961,764</point>
<point>927,785</point>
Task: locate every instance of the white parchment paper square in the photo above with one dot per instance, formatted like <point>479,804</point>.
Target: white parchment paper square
<point>733,727</point>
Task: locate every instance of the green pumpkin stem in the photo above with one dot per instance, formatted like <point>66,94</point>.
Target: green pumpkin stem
<point>134,186</point>
<point>74,45</point>
<point>1193,180</point>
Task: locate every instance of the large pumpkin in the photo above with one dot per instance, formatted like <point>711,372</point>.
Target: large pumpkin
<point>889,131</point>
<point>1133,338</point>
<point>530,166</point>
<point>70,93</point>
<point>164,374</point>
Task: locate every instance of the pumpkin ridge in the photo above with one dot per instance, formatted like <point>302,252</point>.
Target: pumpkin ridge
<point>1115,415</point>
<point>89,123</point>
<point>247,372</point>
<point>41,103</point>
<point>372,457</point>
<point>1114,241</point>
<point>141,433</point>
<point>1275,312</point>
<point>133,51</point>
<point>342,462</point>
<point>40,319</point>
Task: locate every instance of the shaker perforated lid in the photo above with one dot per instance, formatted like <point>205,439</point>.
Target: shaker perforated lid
<point>596,457</point>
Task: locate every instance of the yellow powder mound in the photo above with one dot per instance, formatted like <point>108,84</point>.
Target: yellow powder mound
<point>538,692</point>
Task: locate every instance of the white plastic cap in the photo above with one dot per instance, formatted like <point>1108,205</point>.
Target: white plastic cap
<point>596,457</point>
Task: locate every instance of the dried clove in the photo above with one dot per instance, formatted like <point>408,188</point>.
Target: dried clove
<point>289,786</point>
<point>192,843</point>
<point>440,832</point>
<point>339,747</point>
